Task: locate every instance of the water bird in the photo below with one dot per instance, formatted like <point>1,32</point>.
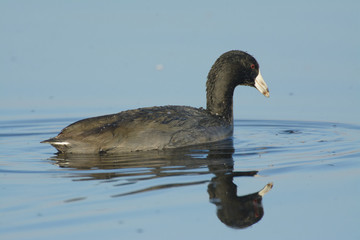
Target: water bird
<point>168,127</point>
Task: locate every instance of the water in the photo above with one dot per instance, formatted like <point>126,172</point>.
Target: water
<point>203,192</point>
<point>64,59</point>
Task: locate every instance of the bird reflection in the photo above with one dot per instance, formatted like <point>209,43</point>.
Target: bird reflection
<point>236,211</point>
<point>217,159</point>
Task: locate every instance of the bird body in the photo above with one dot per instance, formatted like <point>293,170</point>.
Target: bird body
<point>142,129</point>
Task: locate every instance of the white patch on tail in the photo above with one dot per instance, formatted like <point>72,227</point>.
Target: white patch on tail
<point>60,143</point>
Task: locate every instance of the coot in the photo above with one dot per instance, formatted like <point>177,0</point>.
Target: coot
<point>168,126</point>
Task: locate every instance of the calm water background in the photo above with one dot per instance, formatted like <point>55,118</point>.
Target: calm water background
<point>63,61</point>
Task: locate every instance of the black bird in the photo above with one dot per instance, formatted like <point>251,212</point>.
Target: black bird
<point>168,126</point>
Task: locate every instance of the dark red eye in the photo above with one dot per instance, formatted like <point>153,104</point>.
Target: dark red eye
<point>252,66</point>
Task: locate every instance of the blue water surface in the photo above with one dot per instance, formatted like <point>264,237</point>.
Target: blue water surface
<point>198,192</point>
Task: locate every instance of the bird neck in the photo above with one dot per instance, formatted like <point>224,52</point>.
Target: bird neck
<point>219,95</point>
